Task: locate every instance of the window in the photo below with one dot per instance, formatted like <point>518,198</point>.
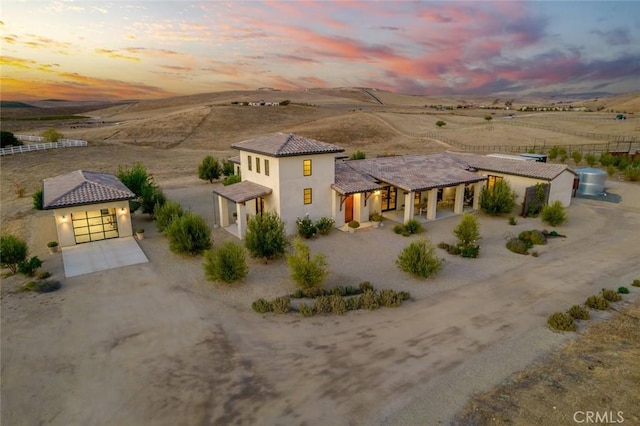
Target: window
<point>306,167</point>
<point>266,167</point>
<point>493,180</point>
<point>249,161</point>
<point>307,196</point>
<point>257,165</point>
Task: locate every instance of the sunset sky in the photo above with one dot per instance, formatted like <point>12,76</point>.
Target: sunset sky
<point>150,49</point>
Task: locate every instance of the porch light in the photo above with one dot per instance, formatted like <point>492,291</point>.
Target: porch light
<point>63,218</point>
<point>123,210</point>
<point>378,192</point>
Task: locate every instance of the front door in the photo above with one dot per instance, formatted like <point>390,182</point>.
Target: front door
<point>348,209</point>
<point>389,198</point>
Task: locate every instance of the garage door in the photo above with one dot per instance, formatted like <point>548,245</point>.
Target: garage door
<point>94,225</point>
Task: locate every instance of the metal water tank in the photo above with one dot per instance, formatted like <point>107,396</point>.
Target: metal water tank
<point>591,181</point>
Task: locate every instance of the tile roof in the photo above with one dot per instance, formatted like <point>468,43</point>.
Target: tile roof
<point>532,169</point>
<point>82,187</point>
<point>286,145</point>
<point>242,191</point>
<point>350,181</point>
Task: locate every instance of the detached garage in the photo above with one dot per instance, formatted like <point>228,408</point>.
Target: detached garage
<point>88,206</point>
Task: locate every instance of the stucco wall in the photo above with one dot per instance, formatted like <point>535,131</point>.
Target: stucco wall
<point>64,226</point>
<point>562,188</point>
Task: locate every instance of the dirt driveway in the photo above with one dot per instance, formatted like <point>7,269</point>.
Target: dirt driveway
<point>157,344</point>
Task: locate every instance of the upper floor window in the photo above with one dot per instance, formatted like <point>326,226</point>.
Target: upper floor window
<point>266,167</point>
<point>306,167</point>
<point>249,164</point>
<point>307,196</point>
<point>257,165</point>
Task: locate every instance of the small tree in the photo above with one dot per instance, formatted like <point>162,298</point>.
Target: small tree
<point>358,155</point>
<point>500,199</point>
<point>189,234</point>
<point>152,198</point>
<point>554,214</point>
<point>228,169</point>
<point>52,135</point>
<point>419,258</point>
<point>210,169</point>
<point>226,264</point>
<point>266,236</point>
<point>606,159</point>
<point>553,152</point>
<point>440,123</point>
<point>38,199</point>
<point>165,214</point>
<point>8,139</point>
<point>590,159</point>
<point>307,271</point>
<point>136,178</point>
<point>467,231</point>
<point>577,157</point>
<point>488,118</point>
<point>13,251</point>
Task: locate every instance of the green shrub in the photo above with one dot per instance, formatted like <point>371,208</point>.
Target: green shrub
<point>350,290</point>
<point>623,290</point>
<point>189,234</point>
<point>47,286</point>
<point>365,286</point>
<point>210,169</point>
<point>38,199</point>
<point>30,286</point>
<point>353,303</point>
<point>470,251</point>
<point>632,173</point>
<point>231,179</point>
<point>389,298</point>
<point>369,300</point>
<point>413,226</point>
<point>500,199</point>
<point>533,236</point>
<point>636,283</point>
<point>29,267</point>
<point>312,293</point>
<point>401,230</point>
<point>419,258</point>
<point>8,139</point>
<point>266,237</point>
<point>539,200</point>
<point>322,304</point>
<point>136,179</point>
<point>306,310</point>
<point>13,251</point>
<point>577,157</point>
<point>578,312</point>
<point>454,250</point>
<point>307,271</point>
<point>166,214</point>
<point>354,224</point>
<point>338,304</point>
<point>46,274</point>
<point>590,159</point>
<point>262,306</point>
<point>597,302</point>
<point>561,322</point>
<point>444,246</point>
<point>306,228</point>
<point>517,246</point>
<point>611,295</point>
<point>606,159</point>
<point>152,198</point>
<point>512,221</point>
<point>404,295</point>
<point>554,214</point>
<point>611,170</point>
<point>228,168</point>
<point>325,225</point>
<point>358,155</point>
<point>281,305</point>
<point>339,291</point>
<point>226,264</point>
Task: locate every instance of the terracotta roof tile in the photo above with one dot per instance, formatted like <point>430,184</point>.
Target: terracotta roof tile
<point>286,145</point>
<point>82,187</point>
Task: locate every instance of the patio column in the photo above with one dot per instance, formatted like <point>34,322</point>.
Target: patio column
<point>241,209</point>
<point>458,204</point>
<point>477,187</point>
<point>432,204</point>
<point>408,206</point>
<point>223,210</point>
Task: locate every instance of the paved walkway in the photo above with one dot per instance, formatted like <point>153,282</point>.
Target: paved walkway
<point>101,255</point>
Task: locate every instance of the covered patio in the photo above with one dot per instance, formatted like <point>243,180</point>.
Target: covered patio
<point>231,200</point>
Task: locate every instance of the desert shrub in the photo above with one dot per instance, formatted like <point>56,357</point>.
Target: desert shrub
<point>444,246</point>
<point>554,214</point>
<point>28,267</point>
<point>606,159</point>
<point>404,295</point>
<point>266,236</point>
<point>262,306</point>
<point>621,163</point>
<point>151,199</point>
<point>611,295</point>
<point>539,200</point>
<point>553,152</point>
<point>413,226</point>
<point>338,304</point>
<point>350,290</point>
<point>611,170</point>
<point>312,293</point>
<point>419,258</point>
<point>454,250</point>
<point>533,236</point>
<point>339,291</point>
<point>13,251</point>
<point>597,302</point>
<point>578,312</point>
<point>307,271</point>
<point>166,214</point>
<point>354,224</point>
<point>306,310</point>
<point>369,300</point>
<point>365,286</point>
<point>43,275</point>
<point>228,168</point>
<point>322,304</point>
<point>189,233</point>
<point>517,246</point>
<point>358,155</point>
<point>440,123</point>
<point>281,305</point>
<point>467,231</point>
<point>353,303</point>
<point>623,290</point>
<point>8,139</point>
<point>30,286</point>
<point>325,225</point>
<point>636,283</point>
<point>535,254</point>
<point>226,263</point>
<point>306,228</point>
<point>389,298</point>
<point>512,221</point>
<point>401,230</point>
<point>500,199</point>
<point>470,251</point>
<point>590,159</point>
<point>51,135</point>
<point>38,199</point>
<point>47,286</point>
<point>20,190</point>
<point>561,322</point>
<point>631,173</point>
<point>209,169</point>
<point>231,179</point>
<point>577,157</point>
